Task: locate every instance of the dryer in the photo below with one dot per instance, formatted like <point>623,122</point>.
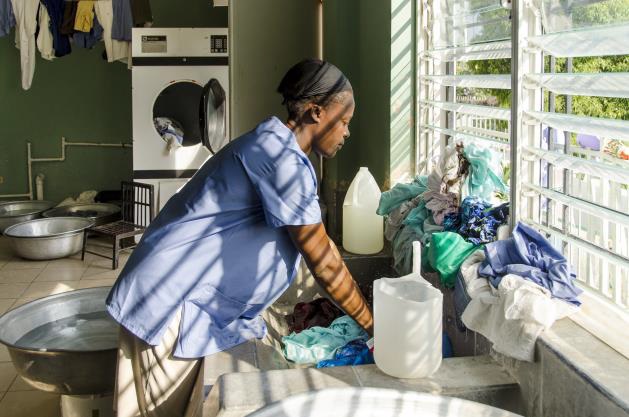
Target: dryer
<point>180,96</point>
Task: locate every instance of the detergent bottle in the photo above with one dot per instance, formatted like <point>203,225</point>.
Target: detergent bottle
<point>362,228</point>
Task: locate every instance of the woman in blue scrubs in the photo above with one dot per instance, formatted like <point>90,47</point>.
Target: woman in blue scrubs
<point>227,245</point>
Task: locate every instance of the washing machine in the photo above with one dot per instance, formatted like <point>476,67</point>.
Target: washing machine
<point>180,96</point>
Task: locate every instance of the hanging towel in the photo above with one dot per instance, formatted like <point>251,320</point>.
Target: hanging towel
<point>513,315</point>
<point>7,18</point>
<point>26,23</point>
<point>44,37</point>
<point>88,40</point>
<point>320,343</point>
<point>116,50</point>
<point>528,254</point>
<point>84,19</point>
<point>123,20</point>
<point>60,42</point>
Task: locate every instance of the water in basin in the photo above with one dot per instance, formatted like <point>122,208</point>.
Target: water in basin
<point>86,331</point>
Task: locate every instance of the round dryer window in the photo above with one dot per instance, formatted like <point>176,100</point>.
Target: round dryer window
<point>176,114</point>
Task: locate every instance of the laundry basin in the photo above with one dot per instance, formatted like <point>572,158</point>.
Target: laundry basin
<point>99,213</point>
<point>14,212</point>
<point>376,402</point>
<point>64,343</point>
<point>44,239</point>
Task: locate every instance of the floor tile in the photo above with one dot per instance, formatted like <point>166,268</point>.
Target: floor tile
<point>4,354</point>
<point>19,275</point>
<point>58,273</point>
<point>21,301</point>
<point>30,404</point>
<point>7,375</point>
<point>68,263</point>
<point>24,264</point>
<point>20,385</point>
<point>100,272</point>
<point>5,304</point>
<point>12,290</point>
<point>42,289</point>
<point>91,283</point>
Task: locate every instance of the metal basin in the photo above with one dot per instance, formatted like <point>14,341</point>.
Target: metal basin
<point>65,343</point>
<point>52,238</point>
<point>100,213</point>
<point>14,212</point>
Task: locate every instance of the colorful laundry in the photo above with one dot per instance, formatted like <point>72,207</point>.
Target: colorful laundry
<point>316,344</point>
<point>485,172</point>
<point>477,221</point>
<point>355,352</point>
<point>320,312</point>
<point>530,255</point>
<point>446,253</point>
<point>390,200</point>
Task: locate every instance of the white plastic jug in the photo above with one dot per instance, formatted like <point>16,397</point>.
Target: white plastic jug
<point>407,326</point>
<point>363,231</point>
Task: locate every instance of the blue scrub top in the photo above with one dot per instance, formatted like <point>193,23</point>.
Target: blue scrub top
<point>218,249</point>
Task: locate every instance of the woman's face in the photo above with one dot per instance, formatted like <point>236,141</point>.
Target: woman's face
<point>334,126</point>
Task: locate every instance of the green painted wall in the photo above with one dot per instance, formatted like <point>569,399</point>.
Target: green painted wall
<point>357,39</point>
<point>82,98</point>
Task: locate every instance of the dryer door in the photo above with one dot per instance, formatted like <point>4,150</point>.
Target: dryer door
<point>213,116</point>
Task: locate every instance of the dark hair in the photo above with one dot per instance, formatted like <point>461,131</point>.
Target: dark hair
<point>312,81</point>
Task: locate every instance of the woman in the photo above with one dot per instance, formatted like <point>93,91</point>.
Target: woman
<point>227,245</point>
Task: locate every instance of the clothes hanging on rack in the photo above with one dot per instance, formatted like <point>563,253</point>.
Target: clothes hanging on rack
<point>141,11</point>
<point>7,18</point>
<point>44,38</point>
<point>60,42</point>
<point>84,20</point>
<point>88,40</point>
<point>25,12</point>
<point>123,20</point>
<point>116,50</point>
<point>69,17</point>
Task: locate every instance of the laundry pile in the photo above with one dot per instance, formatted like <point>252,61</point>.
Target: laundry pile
<point>52,26</point>
<point>457,203</point>
<point>171,131</point>
<point>509,290</point>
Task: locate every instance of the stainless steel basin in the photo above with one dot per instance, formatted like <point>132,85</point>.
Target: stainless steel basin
<point>100,213</point>
<point>51,238</point>
<point>13,212</point>
<point>65,343</point>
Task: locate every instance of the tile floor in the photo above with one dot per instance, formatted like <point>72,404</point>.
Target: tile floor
<point>22,281</point>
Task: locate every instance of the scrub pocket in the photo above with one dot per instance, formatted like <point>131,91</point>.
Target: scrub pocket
<point>221,308</point>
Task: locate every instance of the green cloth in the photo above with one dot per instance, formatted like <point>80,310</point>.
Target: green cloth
<point>390,200</point>
<point>446,253</point>
<point>316,344</point>
<point>485,172</point>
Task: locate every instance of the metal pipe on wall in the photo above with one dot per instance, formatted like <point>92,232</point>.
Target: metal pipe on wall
<point>64,143</point>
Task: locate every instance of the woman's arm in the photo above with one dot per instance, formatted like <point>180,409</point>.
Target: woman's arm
<point>327,266</point>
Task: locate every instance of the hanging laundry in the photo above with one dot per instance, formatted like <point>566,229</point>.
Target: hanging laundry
<point>25,12</point>
<point>513,315</point>
<point>7,18</point>
<point>320,312</point>
<point>116,50</point>
<point>69,17</point>
<point>88,40</point>
<point>123,20</point>
<point>390,200</point>
<point>141,11</point>
<point>355,352</point>
<point>320,343</point>
<point>60,42</point>
<point>531,256</point>
<point>84,19</point>
<point>446,253</point>
<point>485,172</point>
<point>44,37</point>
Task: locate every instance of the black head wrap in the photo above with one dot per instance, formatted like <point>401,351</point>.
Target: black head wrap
<point>310,78</point>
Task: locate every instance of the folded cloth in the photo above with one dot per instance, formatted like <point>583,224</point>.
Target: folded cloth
<point>320,343</point>
<point>320,312</point>
<point>513,315</point>
<point>529,255</point>
<point>355,352</point>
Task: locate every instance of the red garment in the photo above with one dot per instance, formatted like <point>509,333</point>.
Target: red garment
<point>320,312</point>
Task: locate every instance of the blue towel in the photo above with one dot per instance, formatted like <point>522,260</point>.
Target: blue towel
<point>528,254</point>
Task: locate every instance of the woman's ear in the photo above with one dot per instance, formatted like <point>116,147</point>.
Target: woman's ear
<point>315,112</point>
